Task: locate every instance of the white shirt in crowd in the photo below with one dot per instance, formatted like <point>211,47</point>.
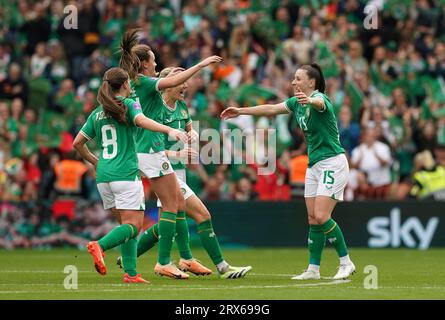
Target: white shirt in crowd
<point>378,175</point>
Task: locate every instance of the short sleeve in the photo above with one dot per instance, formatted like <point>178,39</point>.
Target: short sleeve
<point>134,109</point>
<point>291,104</point>
<point>88,128</point>
<point>149,84</point>
<point>327,102</point>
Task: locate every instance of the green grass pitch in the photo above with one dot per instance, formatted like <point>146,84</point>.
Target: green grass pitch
<point>402,274</point>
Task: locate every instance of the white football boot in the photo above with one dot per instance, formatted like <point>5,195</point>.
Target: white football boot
<point>309,274</point>
<point>345,270</point>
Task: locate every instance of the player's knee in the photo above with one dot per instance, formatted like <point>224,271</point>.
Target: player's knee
<point>170,204</point>
<point>321,218</point>
<point>206,215</point>
<point>312,220</point>
<point>138,226</point>
<point>202,216</point>
<point>181,203</point>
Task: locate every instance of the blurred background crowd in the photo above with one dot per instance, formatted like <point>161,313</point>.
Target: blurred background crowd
<point>387,85</point>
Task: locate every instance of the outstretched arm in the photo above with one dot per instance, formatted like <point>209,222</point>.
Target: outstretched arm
<point>149,124</point>
<point>261,110</point>
<point>183,76</point>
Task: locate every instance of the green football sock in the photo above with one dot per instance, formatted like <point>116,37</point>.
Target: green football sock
<point>167,230</point>
<point>117,236</point>
<point>148,239</point>
<point>335,237</point>
<point>316,242</point>
<point>128,252</point>
<point>210,241</point>
<point>182,236</point>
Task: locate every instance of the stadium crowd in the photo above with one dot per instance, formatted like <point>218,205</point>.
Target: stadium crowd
<point>387,85</point>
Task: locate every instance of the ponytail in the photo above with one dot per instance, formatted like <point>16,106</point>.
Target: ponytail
<point>314,72</point>
<point>321,85</point>
<point>113,80</point>
<point>130,61</point>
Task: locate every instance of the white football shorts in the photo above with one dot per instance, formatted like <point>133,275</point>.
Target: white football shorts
<point>123,195</point>
<point>154,165</point>
<point>327,178</point>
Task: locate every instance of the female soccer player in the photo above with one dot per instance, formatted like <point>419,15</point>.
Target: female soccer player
<point>176,115</point>
<point>328,169</point>
<point>139,61</point>
<point>117,175</point>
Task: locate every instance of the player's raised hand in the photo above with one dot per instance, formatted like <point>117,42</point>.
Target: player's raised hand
<point>230,112</point>
<point>178,135</point>
<point>207,61</point>
<point>302,97</point>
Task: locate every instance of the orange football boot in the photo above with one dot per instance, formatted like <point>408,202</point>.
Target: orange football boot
<point>194,266</point>
<point>98,255</point>
<point>136,279</point>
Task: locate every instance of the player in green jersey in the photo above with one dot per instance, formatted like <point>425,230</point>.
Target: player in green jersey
<point>139,61</point>
<point>117,176</point>
<point>328,170</point>
<point>176,115</point>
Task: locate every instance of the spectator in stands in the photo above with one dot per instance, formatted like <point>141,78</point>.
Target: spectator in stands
<point>349,130</point>
<point>39,60</point>
<point>211,190</point>
<point>426,138</point>
<point>5,60</point>
<point>69,175</point>
<point>57,68</point>
<point>428,178</point>
<point>37,27</point>
<point>16,110</point>
<point>373,160</point>
<point>8,126</point>
<point>244,190</point>
<point>439,155</point>
<point>14,86</point>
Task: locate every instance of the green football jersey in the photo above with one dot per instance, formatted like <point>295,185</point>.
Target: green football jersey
<point>117,160</point>
<point>151,101</point>
<point>176,118</point>
<point>319,128</point>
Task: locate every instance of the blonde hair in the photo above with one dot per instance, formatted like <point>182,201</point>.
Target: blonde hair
<point>169,71</point>
<point>424,160</point>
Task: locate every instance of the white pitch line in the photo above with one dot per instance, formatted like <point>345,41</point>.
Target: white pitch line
<point>166,288</point>
<point>335,282</point>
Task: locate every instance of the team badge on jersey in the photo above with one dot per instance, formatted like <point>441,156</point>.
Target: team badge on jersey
<point>137,106</point>
<point>165,166</point>
<point>183,190</point>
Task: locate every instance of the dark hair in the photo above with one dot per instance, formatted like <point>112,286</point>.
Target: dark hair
<point>113,80</point>
<point>314,72</point>
<point>129,61</point>
<point>133,53</point>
